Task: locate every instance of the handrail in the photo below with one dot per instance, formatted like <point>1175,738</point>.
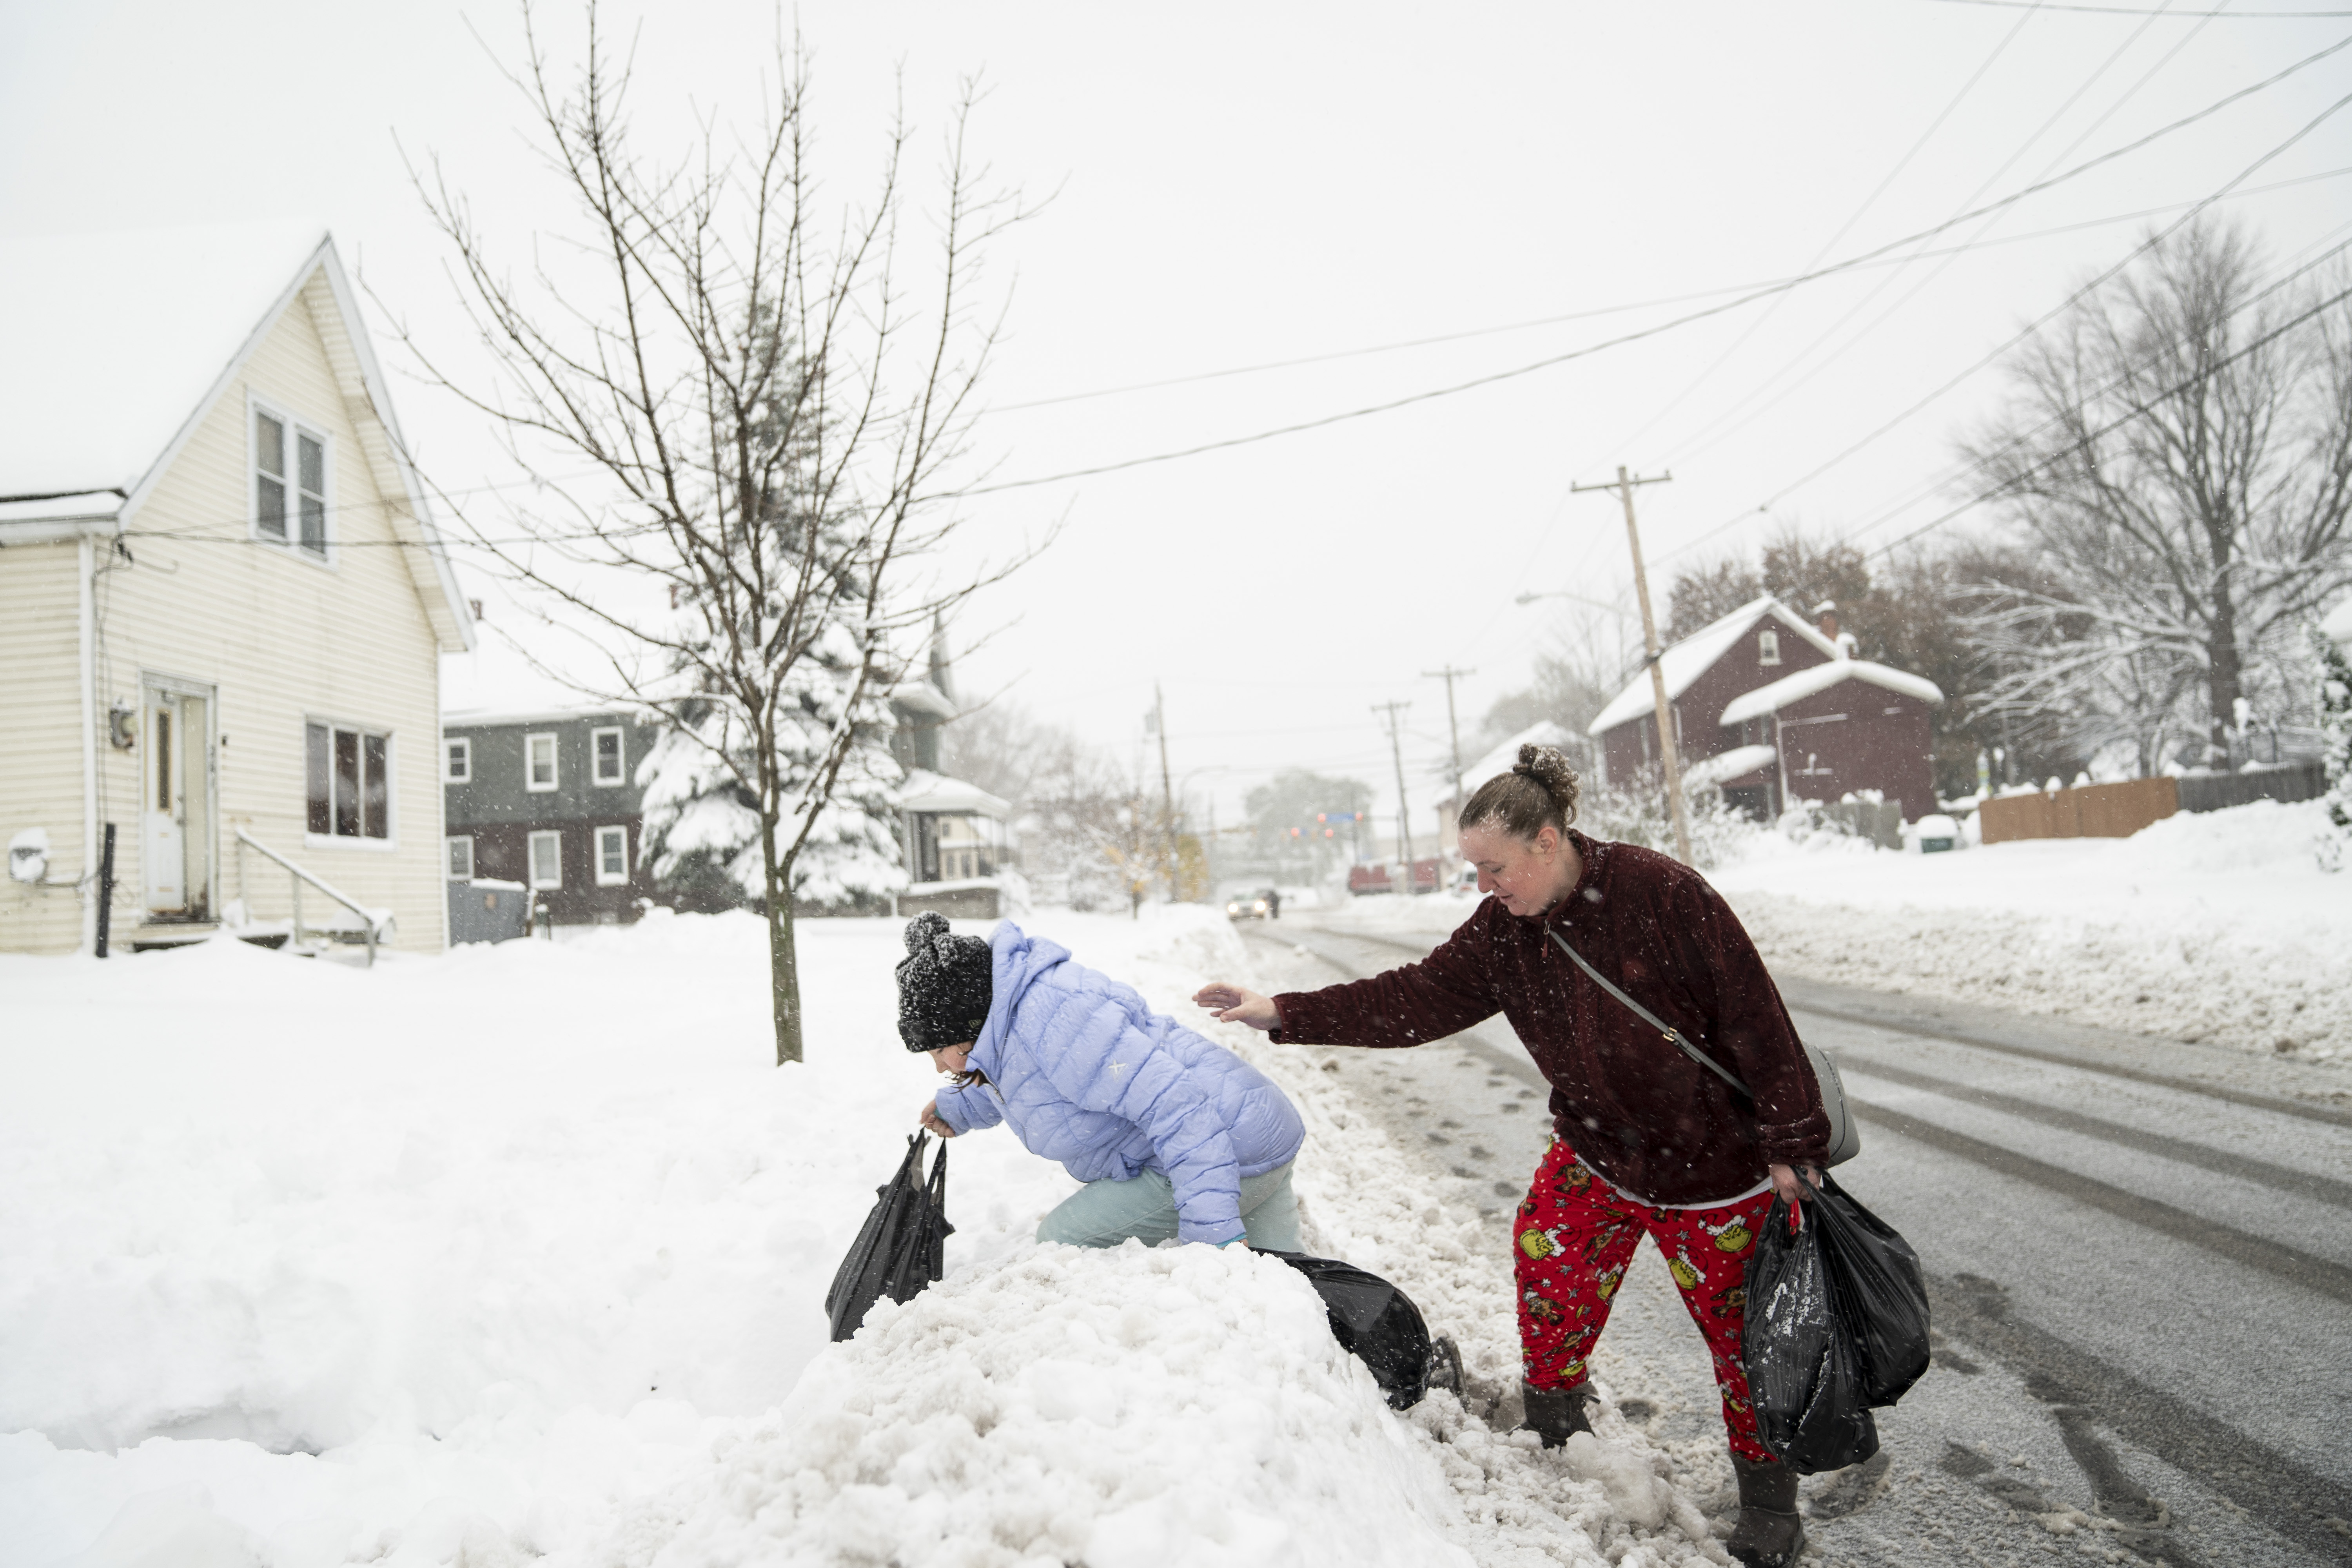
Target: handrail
<point>373,926</point>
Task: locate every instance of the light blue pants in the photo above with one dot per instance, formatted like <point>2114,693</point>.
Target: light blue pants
<point>1104,1213</point>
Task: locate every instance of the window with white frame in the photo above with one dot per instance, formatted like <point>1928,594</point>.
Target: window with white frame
<point>457,761</point>
<point>612,857</point>
<point>461,860</point>
<point>1767,647</point>
<point>606,762</point>
<point>349,777</point>
<point>539,762</point>
<point>546,859</point>
<point>289,482</point>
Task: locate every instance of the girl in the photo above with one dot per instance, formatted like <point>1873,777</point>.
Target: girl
<point>1174,1135</point>
<point>1644,1141</point>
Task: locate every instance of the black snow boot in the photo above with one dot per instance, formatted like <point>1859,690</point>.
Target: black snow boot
<point>1557,1414</point>
<point>1770,1534</point>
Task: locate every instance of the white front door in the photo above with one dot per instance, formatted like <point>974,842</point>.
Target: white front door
<point>176,809</point>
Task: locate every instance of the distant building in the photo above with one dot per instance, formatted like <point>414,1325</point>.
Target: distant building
<point>222,601</point>
<point>955,835</point>
<point>1773,709</point>
<point>550,802</point>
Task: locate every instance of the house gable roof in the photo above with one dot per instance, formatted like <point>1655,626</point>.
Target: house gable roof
<point>121,343</point>
<point>1820,678</point>
<point>1693,657</point>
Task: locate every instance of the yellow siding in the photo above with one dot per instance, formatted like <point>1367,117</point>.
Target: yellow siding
<point>282,639</point>
<point>41,739</point>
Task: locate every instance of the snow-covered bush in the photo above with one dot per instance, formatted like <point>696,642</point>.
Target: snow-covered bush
<point>2335,705</point>
<point>1637,813</point>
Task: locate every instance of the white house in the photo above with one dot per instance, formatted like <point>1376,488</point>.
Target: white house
<point>222,601</point>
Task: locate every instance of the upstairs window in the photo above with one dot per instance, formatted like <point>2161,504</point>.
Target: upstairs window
<point>457,761</point>
<point>539,762</point>
<point>350,782</point>
<point>1767,647</point>
<point>290,483</point>
<point>604,752</point>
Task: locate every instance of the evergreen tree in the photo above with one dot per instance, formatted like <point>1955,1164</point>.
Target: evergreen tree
<point>2335,742</point>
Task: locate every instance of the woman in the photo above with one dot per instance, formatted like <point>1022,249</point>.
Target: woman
<point>1175,1136</point>
<point>1644,1141</point>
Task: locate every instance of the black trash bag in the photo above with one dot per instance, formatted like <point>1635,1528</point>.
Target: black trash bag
<point>1377,1324</point>
<point>1882,1298</point>
<point>902,1246</point>
<point>1804,1379</point>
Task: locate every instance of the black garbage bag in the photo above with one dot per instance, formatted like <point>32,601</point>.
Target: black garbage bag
<point>1882,1298</point>
<point>902,1246</point>
<point>1377,1324</point>
<point>1803,1376</point>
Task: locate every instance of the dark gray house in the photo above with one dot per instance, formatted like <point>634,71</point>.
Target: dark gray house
<point>548,803</point>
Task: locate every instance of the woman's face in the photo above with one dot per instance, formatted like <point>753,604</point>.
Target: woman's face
<point>951,1058</point>
<point>1530,874</point>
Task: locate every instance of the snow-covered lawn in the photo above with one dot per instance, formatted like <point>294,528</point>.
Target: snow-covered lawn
<point>517,1254</point>
<point>2216,927</point>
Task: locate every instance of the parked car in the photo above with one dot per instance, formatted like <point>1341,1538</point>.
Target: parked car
<point>1258,904</point>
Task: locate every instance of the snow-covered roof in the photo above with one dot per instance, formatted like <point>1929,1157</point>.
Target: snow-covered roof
<point>1696,655</point>
<point>115,340</point>
<point>1542,732</point>
<point>1820,678</point>
<point>2338,624</point>
<point>926,791</point>
<point>1726,766</point>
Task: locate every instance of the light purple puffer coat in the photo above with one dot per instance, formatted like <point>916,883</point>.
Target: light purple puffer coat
<point>1084,1073</point>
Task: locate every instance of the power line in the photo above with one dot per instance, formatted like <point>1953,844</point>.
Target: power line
<point>2026,333</point>
<point>1550,360</point>
<point>2141,11</point>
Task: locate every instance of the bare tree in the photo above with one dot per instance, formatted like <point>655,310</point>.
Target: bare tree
<point>2177,459</point>
<point>1067,798</point>
<point>765,416</point>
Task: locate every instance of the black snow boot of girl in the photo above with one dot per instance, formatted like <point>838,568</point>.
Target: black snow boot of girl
<point>1556,1415</point>
<point>1770,1534</point>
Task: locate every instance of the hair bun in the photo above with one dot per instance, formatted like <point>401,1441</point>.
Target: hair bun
<point>925,929</point>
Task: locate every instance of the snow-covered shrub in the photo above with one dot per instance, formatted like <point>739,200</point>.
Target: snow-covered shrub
<point>2335,705</point>
<point>1636,813</point>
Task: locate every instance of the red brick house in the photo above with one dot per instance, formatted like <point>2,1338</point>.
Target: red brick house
<point>1773,709</point>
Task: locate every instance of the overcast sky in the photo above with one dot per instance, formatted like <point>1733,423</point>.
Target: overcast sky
<point>1237,185</point>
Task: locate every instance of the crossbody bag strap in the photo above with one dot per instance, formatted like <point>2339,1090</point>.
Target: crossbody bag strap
<point>1673,1037</point>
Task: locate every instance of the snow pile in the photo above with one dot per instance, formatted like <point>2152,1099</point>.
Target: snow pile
<point>1127,1409</point>
<point>517,1254</point>
<point>2215,926</point>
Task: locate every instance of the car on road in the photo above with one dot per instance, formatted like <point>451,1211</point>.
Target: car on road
<point>1258,904</point>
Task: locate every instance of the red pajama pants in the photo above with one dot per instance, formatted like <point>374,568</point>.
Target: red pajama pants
<point>1575,1235</point>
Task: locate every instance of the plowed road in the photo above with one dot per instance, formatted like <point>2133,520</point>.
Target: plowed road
<point>2140,1252</point>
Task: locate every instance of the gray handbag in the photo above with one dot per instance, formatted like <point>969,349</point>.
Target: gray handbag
<point>1845,1138</point>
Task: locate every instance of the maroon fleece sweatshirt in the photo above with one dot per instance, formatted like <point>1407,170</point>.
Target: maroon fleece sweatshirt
<point>1635,1109</point>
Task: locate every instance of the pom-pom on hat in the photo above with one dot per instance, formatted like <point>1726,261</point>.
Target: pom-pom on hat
<point>943,986</point>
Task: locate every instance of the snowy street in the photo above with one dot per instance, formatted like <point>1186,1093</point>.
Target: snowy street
<point>2138,1252</point>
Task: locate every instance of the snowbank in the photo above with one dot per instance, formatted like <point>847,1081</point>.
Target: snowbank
<point>2214,926</point>
<point>517,1254</point>
<point>1127,1409</point>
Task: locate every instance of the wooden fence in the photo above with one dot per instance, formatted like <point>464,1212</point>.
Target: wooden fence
<point>2093,811</point>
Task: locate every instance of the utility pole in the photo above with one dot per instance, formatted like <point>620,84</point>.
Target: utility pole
<point>1667,751</point>
<point>1454,734</point>
<point>1404,817</point>
<point>1167,795</point>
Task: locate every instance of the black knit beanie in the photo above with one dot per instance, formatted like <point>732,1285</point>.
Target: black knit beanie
<point>943,986</point>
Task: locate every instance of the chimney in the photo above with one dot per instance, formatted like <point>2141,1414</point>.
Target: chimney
<point>1825,616</point>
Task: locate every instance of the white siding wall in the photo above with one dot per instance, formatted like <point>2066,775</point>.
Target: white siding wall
<point>283,639</point>
<point>41,739</point>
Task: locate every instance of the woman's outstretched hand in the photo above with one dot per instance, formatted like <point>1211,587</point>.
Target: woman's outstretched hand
<point>1233,1004</point>
<point>931,1122</point>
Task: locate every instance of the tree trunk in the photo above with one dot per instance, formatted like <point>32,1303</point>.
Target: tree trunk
<point>783,961</point>
<point>2222,671</point>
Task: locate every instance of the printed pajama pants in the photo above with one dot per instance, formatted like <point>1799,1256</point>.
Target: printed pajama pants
<point>1574,1235</point>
